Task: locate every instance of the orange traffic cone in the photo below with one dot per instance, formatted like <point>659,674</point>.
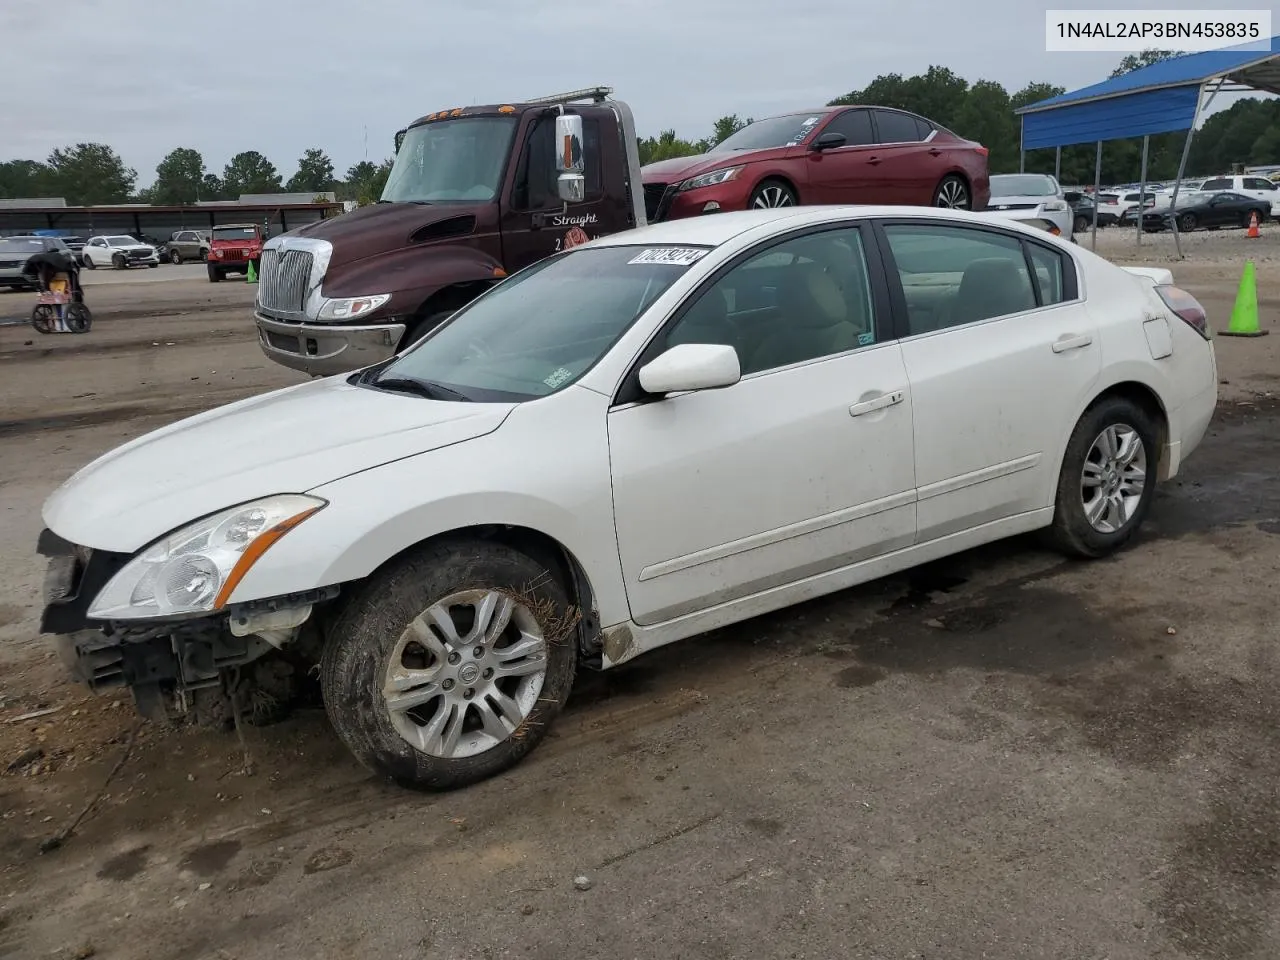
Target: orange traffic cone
<point>1253,225</point>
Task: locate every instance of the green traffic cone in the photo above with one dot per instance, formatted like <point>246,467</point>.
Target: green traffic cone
<point>253,278</point>
<point>1244,315</point>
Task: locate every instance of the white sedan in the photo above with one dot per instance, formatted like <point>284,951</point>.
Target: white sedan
<point>644,438</point>
<point>120,252</point>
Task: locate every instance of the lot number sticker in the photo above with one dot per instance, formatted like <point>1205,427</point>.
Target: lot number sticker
<point>673,256</point>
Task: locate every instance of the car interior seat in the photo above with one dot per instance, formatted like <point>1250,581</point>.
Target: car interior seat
<point>814,321</point>
<point>992,287</point>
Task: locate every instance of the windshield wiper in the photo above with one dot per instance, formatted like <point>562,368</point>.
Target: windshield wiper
<point>420,388</point>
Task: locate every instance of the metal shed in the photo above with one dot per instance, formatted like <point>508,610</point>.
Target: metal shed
<point>1163,98</point>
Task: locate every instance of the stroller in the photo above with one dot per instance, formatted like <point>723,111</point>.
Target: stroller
<point>60,307</point>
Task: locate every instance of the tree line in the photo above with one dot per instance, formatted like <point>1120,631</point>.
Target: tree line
<point>1249,133</point>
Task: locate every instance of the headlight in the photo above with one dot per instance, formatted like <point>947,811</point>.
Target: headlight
<point>195,569</point>
<point>712,178</point>
<point>352,307</point>
<point>1055,205</point>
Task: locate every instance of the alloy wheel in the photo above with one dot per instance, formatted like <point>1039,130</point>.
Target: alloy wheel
<point>465,674</point>
<point>953,195</point>
<point>771,196</point>
<point>1113,478</point>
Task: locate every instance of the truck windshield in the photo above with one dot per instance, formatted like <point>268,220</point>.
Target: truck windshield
<point>541,329</point>
<point>234,233</point>
<point>451,161</point>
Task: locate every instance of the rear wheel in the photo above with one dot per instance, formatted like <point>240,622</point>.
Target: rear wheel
<point>953,193</point>
<point>450,666</point>
<point>42,318</point>
<point>1081,224</point>
<point>1248,217</point>
<point>1107,479</point>
<point>772,193</point>
<point>78,318</point>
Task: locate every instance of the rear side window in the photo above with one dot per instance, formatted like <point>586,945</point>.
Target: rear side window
<point>1050,273</point>
<point>952,276</point>
<point>923,128</point>
<point>1221,183</point>
<point>896,127</point>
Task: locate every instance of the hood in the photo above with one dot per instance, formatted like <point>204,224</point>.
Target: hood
<point>682,168</point>
<point>287,441</point>
<point>134,246</point>
<point>383,227</point>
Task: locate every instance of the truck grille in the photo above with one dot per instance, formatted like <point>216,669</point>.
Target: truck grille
<point>652,197</point>
<point>283,280</point>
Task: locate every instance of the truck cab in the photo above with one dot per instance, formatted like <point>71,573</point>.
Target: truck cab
<point>474,194</point>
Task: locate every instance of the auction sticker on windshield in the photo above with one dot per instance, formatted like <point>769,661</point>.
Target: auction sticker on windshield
<point>673,256</point>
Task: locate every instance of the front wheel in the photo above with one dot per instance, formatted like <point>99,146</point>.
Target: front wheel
<point>79,318</point>
<point>119,262</point>
<point>88,262</point>
<point>42,318</point>
<point>953,194</point>
<point>772,193</point>
<point>1187,222</point>
<point>215,274</point>
<point>1107,479</point>
<point>175,257</point>
<point>449,667</point>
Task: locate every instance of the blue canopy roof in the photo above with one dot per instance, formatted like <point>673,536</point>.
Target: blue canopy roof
<point>1157,99</point>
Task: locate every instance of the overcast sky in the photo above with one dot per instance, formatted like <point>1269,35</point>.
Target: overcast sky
<point>280,76</point>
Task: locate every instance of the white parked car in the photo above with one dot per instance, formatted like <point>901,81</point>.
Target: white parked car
<point>655,434</point>
<point>1028,196</point>
<point>120,252</point>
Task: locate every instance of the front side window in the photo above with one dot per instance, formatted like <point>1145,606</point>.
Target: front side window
<point>799,300</point>
<point>542,328</point>
<point>856,127</point>
<point>536,174</point>
<point>451,161</point>
<point>1257,183</point>
<point>957,275</point>
<point>785,131</point>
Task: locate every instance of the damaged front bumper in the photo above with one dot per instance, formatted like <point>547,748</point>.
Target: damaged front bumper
<point>165,664</point>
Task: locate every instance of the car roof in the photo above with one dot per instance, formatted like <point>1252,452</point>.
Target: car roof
<point>717,229</point>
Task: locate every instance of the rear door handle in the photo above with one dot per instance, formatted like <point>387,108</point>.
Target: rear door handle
<point>876,403</point>
<point>935,152</point>
<point>1064,344</point>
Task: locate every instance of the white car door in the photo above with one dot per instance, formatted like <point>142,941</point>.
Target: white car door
<point>802,467</point>
<point>999,366</point>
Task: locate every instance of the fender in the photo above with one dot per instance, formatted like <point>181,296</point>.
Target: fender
<point>546,468</point>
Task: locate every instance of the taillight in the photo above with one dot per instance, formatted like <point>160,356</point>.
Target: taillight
<point>1185,306</point>
<point>983,150</point>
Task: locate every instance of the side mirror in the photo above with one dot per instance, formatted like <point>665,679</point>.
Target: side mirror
<point>829,141</point>
<point>571,166</point>
<point>400,138</point>
<point>691,366</point>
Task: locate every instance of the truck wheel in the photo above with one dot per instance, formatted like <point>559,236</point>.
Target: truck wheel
<point>448,667</point>
<point>422,327</point>
<point>214,274</point>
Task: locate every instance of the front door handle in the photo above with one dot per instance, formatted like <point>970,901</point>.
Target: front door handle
<point>935,152</point>
<point>1063,344</point>
<point>873,161</point>
<point>876,403</point>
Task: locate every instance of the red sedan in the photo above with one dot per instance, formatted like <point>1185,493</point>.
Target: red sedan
<point>874,155</point>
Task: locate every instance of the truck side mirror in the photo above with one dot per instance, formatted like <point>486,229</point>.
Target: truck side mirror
<point>571,183</point>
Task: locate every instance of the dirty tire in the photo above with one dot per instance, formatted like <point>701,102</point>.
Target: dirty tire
<point>421,328</point>
<point>1071,532</point>
<point>367,631</point>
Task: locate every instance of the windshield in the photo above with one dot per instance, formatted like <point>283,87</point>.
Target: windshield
<point>121,242</point>
<point>451,161</point>
<point>776,132</point>
<point>234,233</point>
<point>1022,185</point>
<point>544,327</point>
<point>12,245</point>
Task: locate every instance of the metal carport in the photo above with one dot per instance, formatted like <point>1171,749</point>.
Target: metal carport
<point>1162,98</point>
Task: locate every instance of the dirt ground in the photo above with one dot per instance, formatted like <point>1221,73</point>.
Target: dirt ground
<point>999,755</point>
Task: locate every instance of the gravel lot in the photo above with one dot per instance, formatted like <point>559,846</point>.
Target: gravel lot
<point>1000,755</point>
